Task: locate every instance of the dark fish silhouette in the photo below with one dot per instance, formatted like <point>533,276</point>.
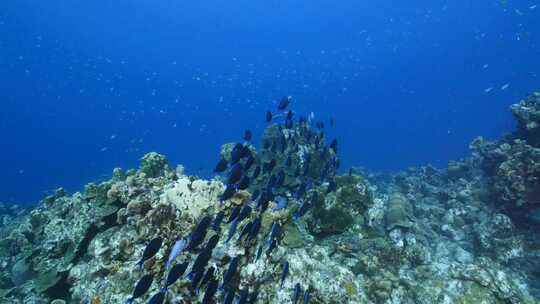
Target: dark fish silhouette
<point>259,252</point>
<point>284,273</point>
<point>158,298</point>
<point>210,292</point>
<point>253,297</point>
<point>333,145</point>
<point>229,296</point>
<point>249,162</point>
<point>297,293</point>
<point>306,296</point>
<point>232,230</point>
<point>196,278</point>
<point>230,272</point>
<point>244,183</point>
<point>244,212</point>
<point>209,275</point>
<point>200,263</point>
<point>271,247</point>
<point>274,232</point>
<point>150,251</point>
<point>255,227</point>
<point>247,135</point>
<point>218,220</point>
<point>242,299</point>
<point>288,125</point>
<point>280,179</point>
<point>235,174</point>
<point>256,172</point>
<point>255,194</point>
<point>212,242</point>
<point>306,205</point>
<point>221,166</point>
<point>199,233</point>
<point>228,193</point>
<point>331,186</point>
<point>289,115</point>
<point>238,152</point>
<point>269,166</point>
<point>283,103</point>
<point>234,213</point>
<point>141,288</point>
<point>245,230</point>
<point>268,116</point>
<point>350,171</point>
<point>174,274</point>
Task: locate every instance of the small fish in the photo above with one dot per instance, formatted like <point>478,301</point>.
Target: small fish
<point>280,179</point>
<point>488,90</point>
<point>268,116</point>
<point>221,166</point>
<point>306,296</point>
<point>297,293</point>
<point>237,153</point>
<point>283,103</point>
<point>229,296</point>
<point>209,275</point>
<point>351,171</point>
<point>150,251</point>
<point>177,249</point>
<point>249,162</point>
<point>196,278</point>
<point>247,135</point>
<point>288,125</point>
<point>228,193</point>
<point>274,232</point>
<point>289,115</point>
<point>245,230</point>
<point>301,190</point>
<point>235,174</point>
<point>212,242</point>
<point>255,194</point>
<point>158,298</point>
<point>234,214</point>
<point>230,272</point>
<point>302,210</point>
<point>255,227</point>
<point>333,145</point>
<point>331,186</point>
<point>244,212</point>
<point>505,86</point>
<point>244,183</point>
<point>271,247</point>
<point>217,221</point>
<point>285,273</point>
<point>259,252</point>
<point>256,172</point>
<point>271,182</point>
<point>199,233</point>
<point>232,230</point>
<point>174,274</point>
<point>210,292</point>
<point>281,203</point>
<point>141,288</point>
<point>269,166</point>
<point>200,263</point>
<point>242,299</point>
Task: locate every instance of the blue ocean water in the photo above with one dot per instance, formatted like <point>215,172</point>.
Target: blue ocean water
<point>89,86</point>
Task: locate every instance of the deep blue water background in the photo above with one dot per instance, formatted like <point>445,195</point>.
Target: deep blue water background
<point>86,86</point>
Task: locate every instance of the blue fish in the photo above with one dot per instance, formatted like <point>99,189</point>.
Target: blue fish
<point>229,296</point>
<point>274,232</point>
<point>244,212</point>
<point>231,271</point>
<point>230,191</point>
<point>174,274</point>
<point>209,275</point>
<point>232,230</point>
<point>255,227</point>
<point>196,278</point>
<point>212,242</point>
<point>210,292</point>
<point>302,210</point>
<point>306,297</point>
<point>234,213</point>
<point>158,298</point>
<point>141,288</point>
<point>242,299</point>
<point>177,249</point>
<point>297,293</point>
<point>245,230</point>
<point>271,247</point>
<point>283,103</point>
<point>256,172</point>
<point>235,174</point>
<point>285,273</point>
<point>259,252</point>
<point>199,233</point>
<point>237,153</point>
<point>150,251</point>
<point>217,221</point>
<point>200,263</point>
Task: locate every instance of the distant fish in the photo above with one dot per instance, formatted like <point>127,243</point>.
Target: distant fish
<point>289,115</point>
<point>230,272</point>
<point>271,247</point>
<point>297,293</point>
<point>229,192</point>
<point>196,278</point>
<point>269,166</point>
<point>245,230</point>
<point>331,186</point>
<point>488,90</point>
<point>256,172</point>
<point>229,296</point>
<point>334,145</point>
<point>235,174</point>
<point>255,194</point>
<point>244,212</point>
<point>174,274</point>
<point>199,233</point>
<point>268,116</point>
<point>212,242</point>
<point>284,273</point>
<point>280,179</point>
<point>249,162</point>
<point>232,230</point>
<point>281,203</point>
<point>141,288</point>
<point>255,227</point>
<point>283,103</point>
<point>259,252</point>
<point>210,292</point>
<point>221,166</point>
<point>247,135</point>
<point>200,263</point>
<point>302,210</point>
<point>208,275</point>
<point>237,153</point>
<point>275,231</point>
<point>244,183</point>
<point>177,249</point>
<point>532,6</point>
<point>158,298</point>
<point>150,251</point>
<point>242,299</point>
<point>216,224</point>
<point>306,296</point>
<point>505,86</point>
<point>234,214</point>
<point>332,121</point>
